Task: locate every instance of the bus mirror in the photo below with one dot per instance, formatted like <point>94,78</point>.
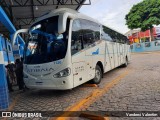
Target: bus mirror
<point>62,23</point>
<point>16,34</point>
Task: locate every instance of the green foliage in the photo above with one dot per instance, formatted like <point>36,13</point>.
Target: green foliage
<point>144,15</point>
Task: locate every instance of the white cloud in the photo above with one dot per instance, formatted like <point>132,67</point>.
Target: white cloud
<point>110,12</point>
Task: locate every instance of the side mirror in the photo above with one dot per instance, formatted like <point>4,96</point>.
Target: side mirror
<point>16,34</point>
<point>62,22</point>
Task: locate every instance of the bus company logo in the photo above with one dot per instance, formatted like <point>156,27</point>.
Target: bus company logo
<point>40,70</point>
<point>96,52</point>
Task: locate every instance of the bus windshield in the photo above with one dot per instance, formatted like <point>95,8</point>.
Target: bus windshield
<point>45,44</point>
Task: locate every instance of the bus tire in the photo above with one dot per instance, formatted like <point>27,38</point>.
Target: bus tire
<point>126,62</point>
<point>98,75</point>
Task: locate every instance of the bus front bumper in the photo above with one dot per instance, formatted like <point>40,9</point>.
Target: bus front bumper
<point>54,84</point>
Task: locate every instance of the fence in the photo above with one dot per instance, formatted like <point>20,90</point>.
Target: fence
<point>146,46</point>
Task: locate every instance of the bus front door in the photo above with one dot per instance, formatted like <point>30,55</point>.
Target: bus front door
<point>78,66</point>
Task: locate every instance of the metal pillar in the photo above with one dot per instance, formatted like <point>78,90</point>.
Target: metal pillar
<point>7,23</point>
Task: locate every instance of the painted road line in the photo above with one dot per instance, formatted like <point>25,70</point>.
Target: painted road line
<point>96,94</point>
<point>90,85</point>
<point>13,103</point>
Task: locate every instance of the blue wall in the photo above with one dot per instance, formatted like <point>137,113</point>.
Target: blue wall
<point>4,98</point>
<point>146,46</point>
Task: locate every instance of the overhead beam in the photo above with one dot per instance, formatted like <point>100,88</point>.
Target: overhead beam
<point>83,2</point>
<point>32,9</point>
<point>6,21</point>
<point>58,4</point>
<point>26,21</point>
<point>5,7</point>
<point>8,9</point>
<point>8,25</point>
<point>49,3</point>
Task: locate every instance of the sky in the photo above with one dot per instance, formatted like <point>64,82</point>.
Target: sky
<point>110,12</point>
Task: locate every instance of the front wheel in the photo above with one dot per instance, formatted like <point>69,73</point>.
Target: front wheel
<point>98,75</point>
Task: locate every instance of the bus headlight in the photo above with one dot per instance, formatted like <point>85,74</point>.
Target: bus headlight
<point>63,73</point>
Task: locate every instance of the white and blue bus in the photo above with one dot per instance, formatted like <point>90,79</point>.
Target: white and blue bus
<point>66,49</point>
<point>6,52</point>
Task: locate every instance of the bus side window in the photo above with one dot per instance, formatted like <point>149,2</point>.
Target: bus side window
<point>76,42</point>
<point>91,33</point>
<point>105,35</point>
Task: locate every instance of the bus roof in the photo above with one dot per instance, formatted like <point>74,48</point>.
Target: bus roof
<point>75,13</point>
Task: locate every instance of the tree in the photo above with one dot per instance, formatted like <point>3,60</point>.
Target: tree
<point>144,15</point>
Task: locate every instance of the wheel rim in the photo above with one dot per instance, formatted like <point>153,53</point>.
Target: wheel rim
<point>98,75</point>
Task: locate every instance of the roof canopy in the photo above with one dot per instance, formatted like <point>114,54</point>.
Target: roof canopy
<point>23,12</point>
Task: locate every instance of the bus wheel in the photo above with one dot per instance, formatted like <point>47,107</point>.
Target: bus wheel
<point>98,75</point>
<point>126,63</point>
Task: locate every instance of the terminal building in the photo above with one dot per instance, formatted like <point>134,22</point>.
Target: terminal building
<point>141,41</point>
<point>137,36</point>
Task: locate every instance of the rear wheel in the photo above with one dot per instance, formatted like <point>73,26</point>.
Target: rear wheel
<point>98,75</point>
<point>126,63</point>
